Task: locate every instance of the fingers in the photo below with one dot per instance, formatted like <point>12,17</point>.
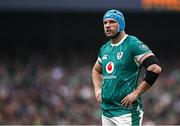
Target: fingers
<point>126,102</point>
<point>98,97</point>
<point>129,99</point>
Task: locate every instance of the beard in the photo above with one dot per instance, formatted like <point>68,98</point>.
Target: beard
<point>114,36</point>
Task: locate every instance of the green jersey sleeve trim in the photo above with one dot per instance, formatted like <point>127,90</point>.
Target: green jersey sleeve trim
<point>138,57</point>
<point>99,60</point>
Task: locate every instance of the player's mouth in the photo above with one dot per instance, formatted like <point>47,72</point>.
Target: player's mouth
<point>108,31</point>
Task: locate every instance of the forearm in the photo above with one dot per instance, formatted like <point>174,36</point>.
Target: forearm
<point>96,79</point>
<point>142,88</point>
<point>153,70</point>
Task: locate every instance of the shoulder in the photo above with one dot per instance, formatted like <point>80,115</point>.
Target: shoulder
<point>135,44</point>
<point>106,45</point>
<point>133,40</point>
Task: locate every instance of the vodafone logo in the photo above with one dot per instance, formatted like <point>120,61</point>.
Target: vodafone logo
<point>110,67</point>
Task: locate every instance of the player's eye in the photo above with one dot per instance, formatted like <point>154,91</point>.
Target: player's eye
<point>105,22</point>
<point>112,21</point>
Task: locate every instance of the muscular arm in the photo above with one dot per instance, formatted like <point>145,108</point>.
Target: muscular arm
<point>143,86</point>
<point>96,79</point>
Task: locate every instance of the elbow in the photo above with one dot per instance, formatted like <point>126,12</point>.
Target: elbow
<point>158,69</point>
<point>93,73</point>
<point>96,73</point>
<point>155,68</point>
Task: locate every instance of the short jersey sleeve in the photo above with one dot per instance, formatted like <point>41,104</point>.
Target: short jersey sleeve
<point>139,49</point>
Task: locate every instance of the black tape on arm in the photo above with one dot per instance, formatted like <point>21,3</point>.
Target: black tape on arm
<point>149,61</point>
<point>150,77</point>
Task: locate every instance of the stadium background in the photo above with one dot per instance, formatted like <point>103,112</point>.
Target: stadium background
<point>48,49</point>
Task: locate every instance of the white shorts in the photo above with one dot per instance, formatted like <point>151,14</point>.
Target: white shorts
<point>124,120</point>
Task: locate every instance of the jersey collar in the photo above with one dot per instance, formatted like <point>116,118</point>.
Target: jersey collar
<point>117,44</point>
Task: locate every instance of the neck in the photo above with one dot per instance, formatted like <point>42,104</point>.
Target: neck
<point>118,38</point>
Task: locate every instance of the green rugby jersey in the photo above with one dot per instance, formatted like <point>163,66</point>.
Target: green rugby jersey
<point>120,69</point>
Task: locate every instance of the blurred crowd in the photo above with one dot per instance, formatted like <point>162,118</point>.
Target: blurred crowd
<point>42,89</point>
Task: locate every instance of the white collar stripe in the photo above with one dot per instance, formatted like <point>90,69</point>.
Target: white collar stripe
<point>117,44</point>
